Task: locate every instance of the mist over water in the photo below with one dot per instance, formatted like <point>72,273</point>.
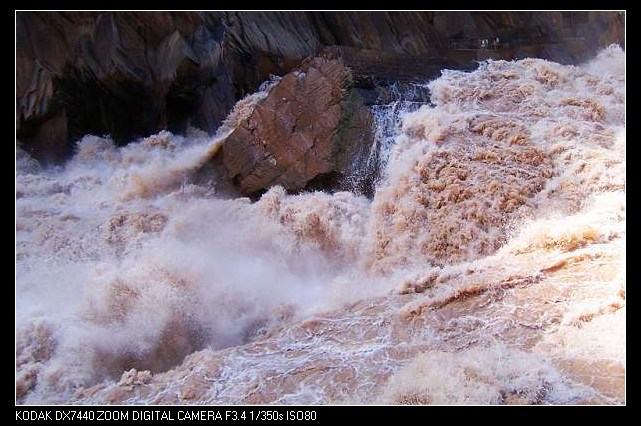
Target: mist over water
<point>123,261</point>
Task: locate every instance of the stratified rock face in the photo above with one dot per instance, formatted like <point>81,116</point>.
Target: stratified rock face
<point>311,124</point>
<point>125,74</point>
<point>131,74</point>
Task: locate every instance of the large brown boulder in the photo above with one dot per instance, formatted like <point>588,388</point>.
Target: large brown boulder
<point>312,125</point>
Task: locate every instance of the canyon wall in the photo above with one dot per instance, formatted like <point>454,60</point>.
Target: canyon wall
<point>131,74</point>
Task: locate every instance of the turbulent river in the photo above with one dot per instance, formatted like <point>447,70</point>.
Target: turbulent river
<point>487,268</point>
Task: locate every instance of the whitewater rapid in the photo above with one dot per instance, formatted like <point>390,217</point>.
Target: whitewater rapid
<point>489,266</point>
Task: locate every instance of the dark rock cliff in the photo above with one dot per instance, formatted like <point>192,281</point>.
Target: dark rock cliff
<point>130,74</point>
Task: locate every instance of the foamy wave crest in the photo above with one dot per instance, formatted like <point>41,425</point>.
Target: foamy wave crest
<point>508,141</point>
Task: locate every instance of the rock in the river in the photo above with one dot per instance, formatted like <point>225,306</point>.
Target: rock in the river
<point>311,126</point>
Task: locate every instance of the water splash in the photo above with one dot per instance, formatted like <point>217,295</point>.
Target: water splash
<point>393,103</point>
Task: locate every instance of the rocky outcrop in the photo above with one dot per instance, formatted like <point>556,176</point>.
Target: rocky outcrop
<point>130,74</point>
<point>311,126</point>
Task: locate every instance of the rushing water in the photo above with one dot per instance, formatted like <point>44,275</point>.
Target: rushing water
<point>489,267</point>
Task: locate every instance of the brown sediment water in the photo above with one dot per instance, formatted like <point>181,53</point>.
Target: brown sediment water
<point>488,268</point>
